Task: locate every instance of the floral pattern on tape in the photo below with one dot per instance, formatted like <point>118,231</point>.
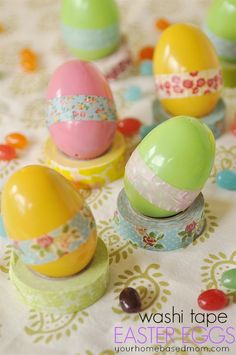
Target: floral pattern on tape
<point>80,107</point>
<point>192,231</point>
<point>59,242</point>
<point>196,83</point>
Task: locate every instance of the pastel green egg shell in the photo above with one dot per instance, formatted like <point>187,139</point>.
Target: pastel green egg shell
<point>181,152</point>
<point>221,19</point>
<point>98,18</point>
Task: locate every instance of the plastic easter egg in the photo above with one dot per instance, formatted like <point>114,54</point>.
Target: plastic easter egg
<point>81,110</point>
<point>48,221</point>
<point>168,169</point>
<point>221,28</point>
<point>90,27</point>
<point>187,71</point>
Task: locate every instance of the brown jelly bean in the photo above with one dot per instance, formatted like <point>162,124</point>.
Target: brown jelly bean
<point>130,300</point>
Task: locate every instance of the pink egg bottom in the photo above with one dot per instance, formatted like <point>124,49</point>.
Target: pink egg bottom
<point>83,139</point>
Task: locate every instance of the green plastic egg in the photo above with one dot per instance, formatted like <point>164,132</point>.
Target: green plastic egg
<point>221,28</point>
<point>90,27</point>
<point>170,166</point>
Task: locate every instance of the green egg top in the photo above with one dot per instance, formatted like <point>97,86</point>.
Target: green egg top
<point>89,14</point>
<point>180,151</point>
<point>221,19</point>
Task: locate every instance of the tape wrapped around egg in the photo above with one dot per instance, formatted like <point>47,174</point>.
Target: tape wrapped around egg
<point>48,221</point>
<point>162,207</point>
<point>220,27</point>
<point>187,71</point>
<point>81,110</point>
<point>90,27</point>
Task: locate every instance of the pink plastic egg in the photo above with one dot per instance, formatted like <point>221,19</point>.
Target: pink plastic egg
<point>81,110</point>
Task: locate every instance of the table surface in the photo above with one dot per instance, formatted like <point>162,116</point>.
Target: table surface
<point>163,279</point>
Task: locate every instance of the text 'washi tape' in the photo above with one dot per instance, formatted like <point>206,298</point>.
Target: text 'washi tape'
<point>160,234</point>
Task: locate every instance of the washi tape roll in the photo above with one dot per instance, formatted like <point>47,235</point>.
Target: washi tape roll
<point>229,74</point>
<point>118,64</point>
<point>215,120</point>
<point>160,234</point>
<point>89,173</point>
<point>64,295</point>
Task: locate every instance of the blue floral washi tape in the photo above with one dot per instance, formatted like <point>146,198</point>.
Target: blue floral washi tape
<point>80,107</point>
<point>215,120</point>
<point>159,234</point>
<point>91,39</point>
<point>225,48</point>
<point>59,242</point>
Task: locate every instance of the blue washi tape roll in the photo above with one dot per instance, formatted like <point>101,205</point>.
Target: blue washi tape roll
<point>215,120</point>
<point>159,234</point>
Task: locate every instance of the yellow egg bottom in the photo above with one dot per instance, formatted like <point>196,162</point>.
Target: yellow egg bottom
<point>195,106</point>
<point>71,263</point>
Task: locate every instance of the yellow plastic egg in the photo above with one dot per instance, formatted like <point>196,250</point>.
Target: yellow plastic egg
<point>48,221</point>
<point>187,71</point>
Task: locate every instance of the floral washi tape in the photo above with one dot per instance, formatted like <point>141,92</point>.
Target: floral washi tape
<point>181,85</point>
<point>62,295</point>
<point>160,234</point>
<point>59,242</point>
<point>214,120</point>
<point>118,64</point>
<point>80,107</point>
<point>91,173</point>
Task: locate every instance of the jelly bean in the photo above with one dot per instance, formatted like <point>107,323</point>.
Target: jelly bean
<point>212,300</point>
<point>2,29</point>
<point>233,128</point>
<point>27,54</point>
<point>7,152</point>
<point>130,300</point>
<point>226,179</point>
<point>144,130</point>
<point>228,279</point>
<point>28,60</point>
<point>29,66</point>
<point>133,93</point>
<point>146,53</point>
<point>162,24</point>
<point>145,67</point>
<point>129,126</point>
<point>16,140</point>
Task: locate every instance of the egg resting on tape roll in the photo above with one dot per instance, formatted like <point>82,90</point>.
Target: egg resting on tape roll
<point>169,167</point>
<point>65,295</point>
<point>90,27</point>
<point>185,49</point>
<point>159,234</point>
<point>81,110</point>
<point>35,201</point>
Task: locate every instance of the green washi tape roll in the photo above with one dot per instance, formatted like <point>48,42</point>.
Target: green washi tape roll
<point>229,74</point>
<point>160,234</point>
<point>62,295</point>
<point>215,120</point>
